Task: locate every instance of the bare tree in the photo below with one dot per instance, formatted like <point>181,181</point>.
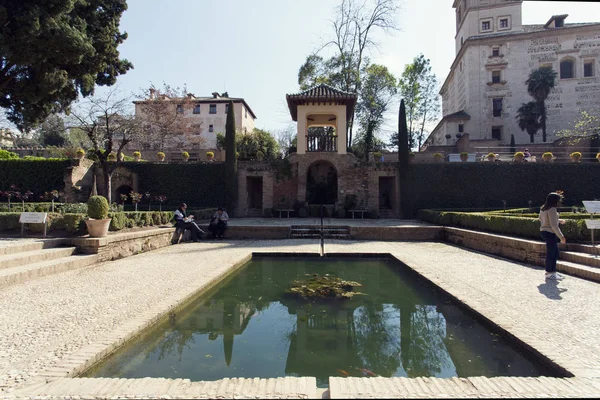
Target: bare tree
<point>165,124</point>
<point>353,38</point>
<point>110,125</point>
<point>285,139</point>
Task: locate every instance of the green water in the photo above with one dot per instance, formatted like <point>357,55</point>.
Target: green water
<point>246,327</point>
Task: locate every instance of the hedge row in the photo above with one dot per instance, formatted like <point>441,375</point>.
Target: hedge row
<point>39,176</point>
<point>75,223</point>
<point>574,229</point>
<point>485,185</point>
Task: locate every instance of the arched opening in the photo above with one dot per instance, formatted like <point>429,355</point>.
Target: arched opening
<point>567,69</point>
<point>321,183</point>
<point>321,133</point>
<point>124,189</point>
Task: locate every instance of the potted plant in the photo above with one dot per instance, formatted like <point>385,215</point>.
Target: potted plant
<point>491,156</point>
<point>98,221</point>
<point>137,156</point>
<point>185,155</point>
<point>598,156</point>
<point>112,157</point>
<point>575,156</point>
<point>161,156</point>
<point>411,157</point>
<point>547,156</point>
<point>210,156</point>
<point>464,156</point>
<point>519,156</point>
<point>377,156</point>
<point>80,153</point>
<point>438,157</point>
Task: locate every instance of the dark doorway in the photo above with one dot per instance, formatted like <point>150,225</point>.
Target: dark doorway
<point>124,189</point>
<point>321,183</point>
<point>386,192</point>
<point>254,192</point>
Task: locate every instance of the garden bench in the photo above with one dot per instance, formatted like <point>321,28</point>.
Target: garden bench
<point>362,213</point>
<point>285,211</point>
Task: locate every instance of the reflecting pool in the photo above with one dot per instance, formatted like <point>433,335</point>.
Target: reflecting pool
<point>247,327</point>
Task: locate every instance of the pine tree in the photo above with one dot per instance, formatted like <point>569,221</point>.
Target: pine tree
<point>230,160</point>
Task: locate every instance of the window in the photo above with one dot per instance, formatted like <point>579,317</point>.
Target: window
<point>212,109</point>
<point>495,76</point>
<point>497,107</point>
<point>559,22</point>
<point>567,69</point>
<point>588,68</point>
<point>503,23</point>
<point>497,132</point>
<point>179,108</point>
<point>226,108</point>
<point>486,25</point>
<point>211,128</point>
<point>461,128</point>
<point>197,109</point>
<point>495,51</point>
<point>246,110</point>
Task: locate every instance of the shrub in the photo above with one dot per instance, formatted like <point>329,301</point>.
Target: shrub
<point>80,152</point>
<point>598,156</point>
<point>137,154</point>
<point>98,207</point>
<point>547,154</point>
<point>185,154</point>
<point>160,154</point>
<point>438,155</point>
<point>575,154</point>
<point>210,154</point>
<point>491,154</point>
<point>8,155</point>
<point>76,208</point>
<point>39,176</point>
<point>463,153</point>
<point>377,155</point>
<point>112,157</point>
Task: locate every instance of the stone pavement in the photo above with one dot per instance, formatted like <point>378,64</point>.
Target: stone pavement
<point>55,326</point>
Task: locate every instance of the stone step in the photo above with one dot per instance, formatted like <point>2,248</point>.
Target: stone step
<point>21,247</point>
<point>581,271</point>
<point>29,257</point>
<point>310,230</point>
<point>580,248</point>
<point>319,227</point>
<point>581,258</point>
<point>22,273</point>
<point>318,236</point>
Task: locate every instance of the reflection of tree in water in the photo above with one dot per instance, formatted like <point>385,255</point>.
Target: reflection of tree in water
<point>428,354</point>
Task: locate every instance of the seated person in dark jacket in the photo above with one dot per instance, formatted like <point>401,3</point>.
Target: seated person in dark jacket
<point>184,222</point>
<point>218,223</point>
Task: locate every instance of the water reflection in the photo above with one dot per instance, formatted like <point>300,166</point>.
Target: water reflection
<point>248,328</point>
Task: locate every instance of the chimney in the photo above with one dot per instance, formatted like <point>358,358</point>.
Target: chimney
<point>215,95</point>
<point>152,93</point>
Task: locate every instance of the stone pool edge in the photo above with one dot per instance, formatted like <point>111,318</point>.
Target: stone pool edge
<point>59,381</point>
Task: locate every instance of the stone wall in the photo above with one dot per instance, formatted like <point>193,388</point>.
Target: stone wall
<point>79,179</point>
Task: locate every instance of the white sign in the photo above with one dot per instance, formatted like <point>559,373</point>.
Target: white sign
<point>33,218</point>
<point>592,223</point>
<point>592,207</point>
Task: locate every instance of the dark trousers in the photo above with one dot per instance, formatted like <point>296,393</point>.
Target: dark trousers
<point>218,229</point>
<point>551,250</point>
<point>191,226</point>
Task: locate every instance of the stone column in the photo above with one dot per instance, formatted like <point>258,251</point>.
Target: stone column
<point>341,131</point>
<point>301,145</point>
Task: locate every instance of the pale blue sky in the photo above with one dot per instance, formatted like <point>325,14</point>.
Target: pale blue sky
<point>253,49</point>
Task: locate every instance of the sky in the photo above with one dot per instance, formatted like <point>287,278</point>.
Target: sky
<point>253,49</point>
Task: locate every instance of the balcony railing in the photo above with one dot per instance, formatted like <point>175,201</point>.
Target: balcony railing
<point>321,143</point>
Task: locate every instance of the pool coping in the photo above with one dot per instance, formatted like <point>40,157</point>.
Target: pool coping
<point>60,381</point>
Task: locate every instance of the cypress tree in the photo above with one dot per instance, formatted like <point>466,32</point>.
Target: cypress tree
<point>513,147</point>
<point>403,155</point>
<point>230,160</point>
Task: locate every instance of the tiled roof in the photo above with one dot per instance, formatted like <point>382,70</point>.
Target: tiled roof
<point>321,93</point>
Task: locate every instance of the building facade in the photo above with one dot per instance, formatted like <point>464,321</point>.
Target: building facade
<point>495,53</point>
<point>190,123</point>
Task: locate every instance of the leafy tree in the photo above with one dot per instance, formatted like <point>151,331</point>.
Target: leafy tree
<point>52,131</point>
<point>586,126</point>
<point>110,126</point>
<point>256,145</point>
<point>53,50</point>
<point>230,160</point>
<point>378,91</point>
<point>539,84</point>
<point>418,87</point>
<point>77,138</point>
<point>355,23</point>
<point>528,118</point>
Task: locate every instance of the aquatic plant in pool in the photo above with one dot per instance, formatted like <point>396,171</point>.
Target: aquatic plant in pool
<point>248,327</point>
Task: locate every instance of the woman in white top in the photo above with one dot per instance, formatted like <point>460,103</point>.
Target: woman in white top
<point>551,233</point>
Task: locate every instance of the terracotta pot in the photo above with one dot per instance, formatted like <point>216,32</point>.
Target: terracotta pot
<point>161,159</point>
<point>491,158</point>
<point>464,158</point>
<point>519,158</point>
<point>137,158</point>
<point>97,227</point>
<point>547,158</point>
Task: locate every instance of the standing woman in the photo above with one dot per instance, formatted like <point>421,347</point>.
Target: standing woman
<point>551,233</point>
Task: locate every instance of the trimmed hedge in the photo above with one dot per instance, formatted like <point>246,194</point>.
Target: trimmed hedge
<point>202,185</point>
<point>485,185</point>
<point>574,230</point>
<point>39,176</point>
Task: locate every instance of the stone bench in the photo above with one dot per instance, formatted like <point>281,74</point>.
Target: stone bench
<point>287,211</point>
<point>180,235</point>
<point>362,213</point>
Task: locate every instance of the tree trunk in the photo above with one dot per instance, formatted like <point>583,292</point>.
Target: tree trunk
<point>107,184</point>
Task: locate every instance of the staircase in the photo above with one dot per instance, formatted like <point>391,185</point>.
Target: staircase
<point>580,260</point>
<point>314,232</point>
<point>26,261</point>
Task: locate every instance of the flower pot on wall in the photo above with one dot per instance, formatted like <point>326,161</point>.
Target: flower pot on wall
<point>98,227</point>
<point>464,157</point>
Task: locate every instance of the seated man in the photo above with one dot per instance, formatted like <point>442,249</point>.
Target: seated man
<point>184,222</point>
<point>218,223</point>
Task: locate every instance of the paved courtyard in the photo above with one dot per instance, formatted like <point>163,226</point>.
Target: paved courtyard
<point>52,324</point>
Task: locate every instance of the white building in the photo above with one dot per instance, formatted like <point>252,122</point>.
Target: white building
<point>495,54</point>
<point>203,117</point>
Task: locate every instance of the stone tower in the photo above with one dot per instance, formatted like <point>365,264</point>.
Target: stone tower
<point>486,17</point>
